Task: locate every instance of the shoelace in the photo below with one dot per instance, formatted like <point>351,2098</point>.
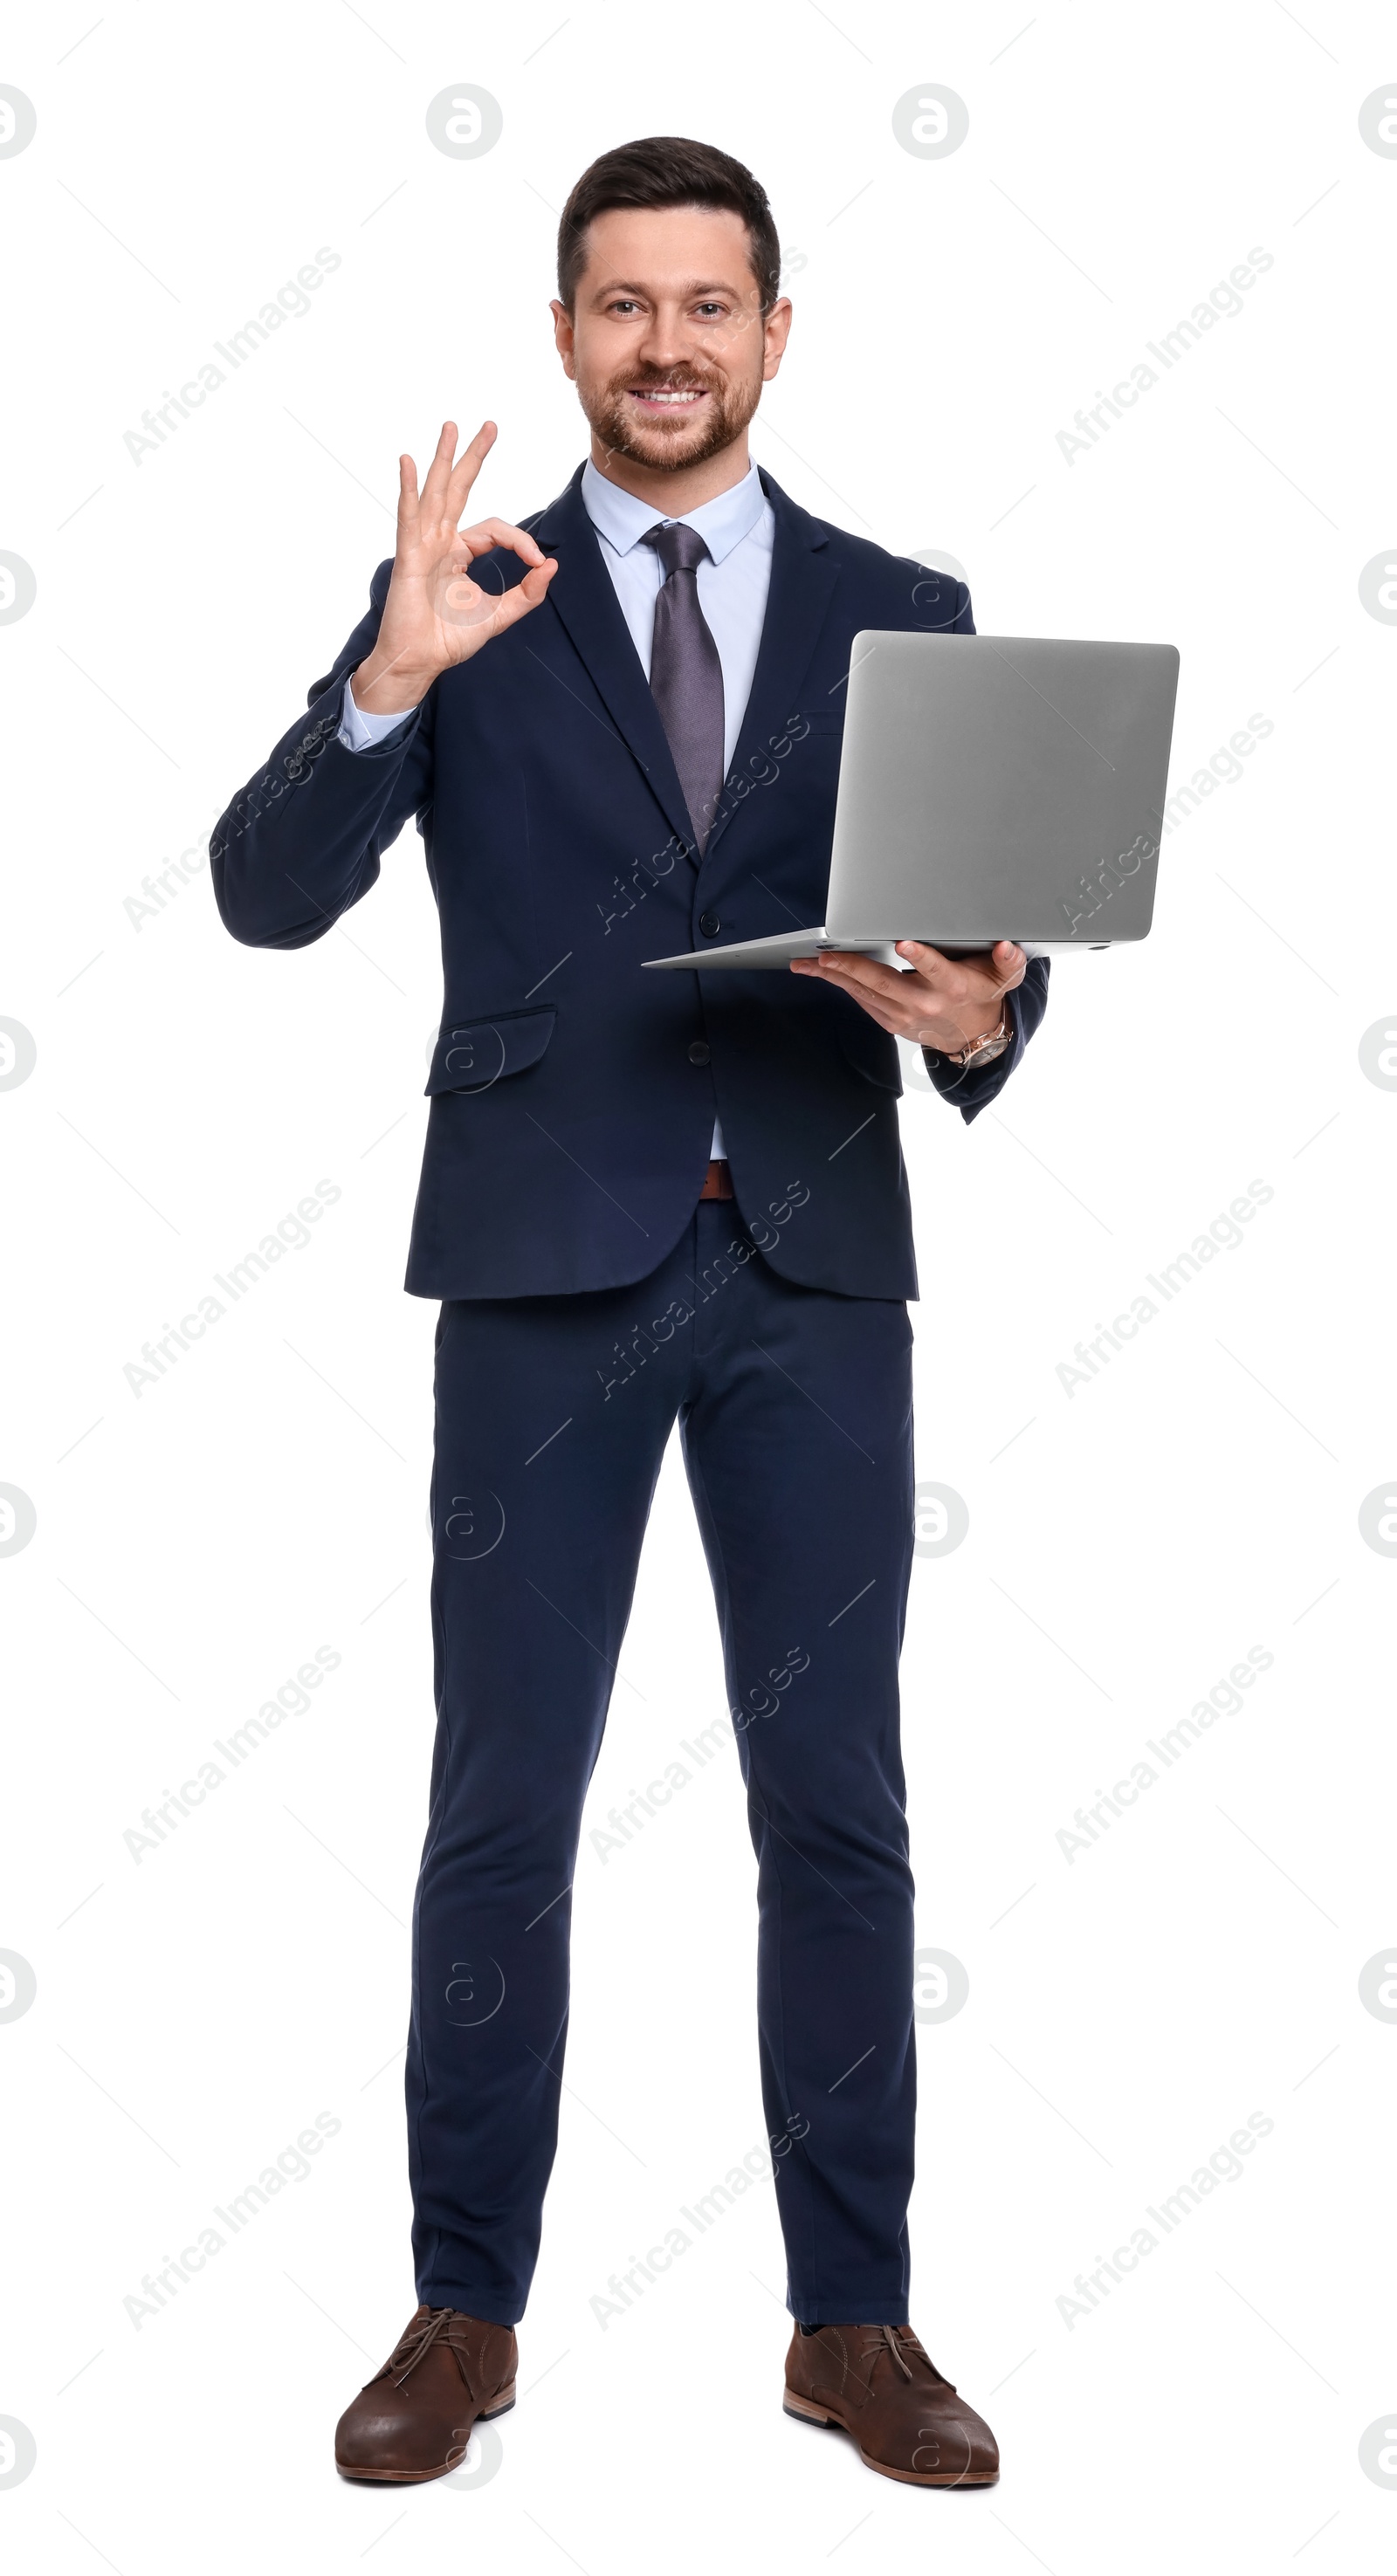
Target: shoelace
<point>420,2339</point>
<point>886,2339</point>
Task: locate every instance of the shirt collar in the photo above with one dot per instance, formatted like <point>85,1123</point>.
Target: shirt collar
<point>623,520</point>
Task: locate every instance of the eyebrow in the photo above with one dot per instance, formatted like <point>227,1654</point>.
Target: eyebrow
<point>692,286</point>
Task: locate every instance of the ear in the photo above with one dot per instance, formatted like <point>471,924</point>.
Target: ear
<point>564,337</point>
<point>777,333</point>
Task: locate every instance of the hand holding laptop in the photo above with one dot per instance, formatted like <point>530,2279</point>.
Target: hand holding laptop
<point>941,1002</point>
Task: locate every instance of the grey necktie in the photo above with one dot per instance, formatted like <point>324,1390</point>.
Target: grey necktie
<point>686,676</point>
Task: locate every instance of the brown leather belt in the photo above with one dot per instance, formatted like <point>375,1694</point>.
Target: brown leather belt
<point>718,1184</point>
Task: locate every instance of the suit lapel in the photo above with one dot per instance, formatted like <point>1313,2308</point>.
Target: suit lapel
<point>803,576</point>
<point>583,596</point>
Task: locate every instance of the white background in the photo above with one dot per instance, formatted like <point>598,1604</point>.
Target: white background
<point>1127,1542</point>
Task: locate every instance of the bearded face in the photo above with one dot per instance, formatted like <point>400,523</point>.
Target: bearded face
<point>668,342</point>
<point>672,418</point>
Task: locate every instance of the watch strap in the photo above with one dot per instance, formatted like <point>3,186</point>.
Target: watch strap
<point>999,1038</point>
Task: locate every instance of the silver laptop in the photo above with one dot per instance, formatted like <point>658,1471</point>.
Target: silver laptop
<point>990,787</point>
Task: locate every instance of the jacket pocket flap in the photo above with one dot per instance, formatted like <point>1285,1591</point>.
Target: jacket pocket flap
<point>471,1055</point>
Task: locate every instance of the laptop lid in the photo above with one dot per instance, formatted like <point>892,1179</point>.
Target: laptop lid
<point>1000,787</point>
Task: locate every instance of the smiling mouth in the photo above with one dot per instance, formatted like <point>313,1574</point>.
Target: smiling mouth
<point>668,397</point>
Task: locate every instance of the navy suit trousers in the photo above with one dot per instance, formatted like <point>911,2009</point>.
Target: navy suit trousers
<point>552,1416</point>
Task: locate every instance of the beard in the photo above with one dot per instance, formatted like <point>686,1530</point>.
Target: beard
<point>670,446</point>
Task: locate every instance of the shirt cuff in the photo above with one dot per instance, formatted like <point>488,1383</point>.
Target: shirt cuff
<point>360,732</point>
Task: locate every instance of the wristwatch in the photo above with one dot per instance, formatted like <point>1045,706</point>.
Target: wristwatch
<point>995,1042</point>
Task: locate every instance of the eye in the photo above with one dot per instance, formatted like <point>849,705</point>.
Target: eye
<point>710,312</point>
<point>623,304</point>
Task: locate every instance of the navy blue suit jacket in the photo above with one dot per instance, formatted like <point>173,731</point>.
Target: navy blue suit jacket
<point>573,1096</point>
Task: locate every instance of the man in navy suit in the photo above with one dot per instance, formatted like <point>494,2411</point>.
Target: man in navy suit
<point>648,1198</point>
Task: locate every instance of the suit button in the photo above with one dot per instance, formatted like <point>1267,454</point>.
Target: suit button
<point>698,1052</point>
<point>709,924</point>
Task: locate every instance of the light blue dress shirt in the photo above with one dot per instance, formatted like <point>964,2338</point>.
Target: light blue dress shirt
<point>738,529</point>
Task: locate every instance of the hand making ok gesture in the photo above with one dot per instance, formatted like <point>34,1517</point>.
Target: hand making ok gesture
<point>435,615</point>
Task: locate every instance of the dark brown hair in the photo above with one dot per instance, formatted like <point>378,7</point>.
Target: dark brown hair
<point>668,170</point>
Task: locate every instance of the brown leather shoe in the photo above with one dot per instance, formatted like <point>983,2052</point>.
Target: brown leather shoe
<point>879,2384</point>
<point>414,2418</point>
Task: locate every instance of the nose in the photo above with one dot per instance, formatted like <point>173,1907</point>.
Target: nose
<point>667,340</point>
